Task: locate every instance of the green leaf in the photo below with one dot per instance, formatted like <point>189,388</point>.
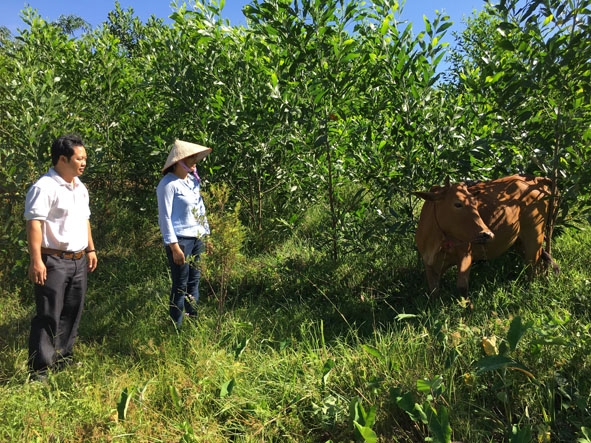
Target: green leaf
<point>240,347</point>
<point>123,403</point>
<point>385,26</point>
<point>434,386</point>
<point>521,435</point>
<point>176,397</point>
<point>438,422</point>
<point>551,341</point>
<point>373,351</point>
<point>366,433</point>
<point>548,19</point>
<point>495,78</point>
<point>328,365</point>
<point>516,330</point>
<point>405,401</point>
<point>227,388</point>
<point>586,435</point>
<point>360,415</point>
<point>400,317</point>
<point>506,45</point>
<point>420,415</point>
<point>494,362</point>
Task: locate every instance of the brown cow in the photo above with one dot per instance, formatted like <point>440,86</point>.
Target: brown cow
<point>461,223</point>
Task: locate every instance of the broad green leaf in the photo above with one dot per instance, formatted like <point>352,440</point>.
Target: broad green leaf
<point>123,403</point>
<point>366,433</point>
<point>516,330</point>
<point>405,401</point>
<point>175,397</point>
<point>521,435</point>
<point>326,369</point>
<point>227,388</point>
<point>373,351</point>
<point>438,422</point>
<point>586,435</point>
<point>434,385</point>
<point>494,362</point>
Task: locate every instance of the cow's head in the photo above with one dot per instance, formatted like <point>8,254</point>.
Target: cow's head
<point>455,212</point>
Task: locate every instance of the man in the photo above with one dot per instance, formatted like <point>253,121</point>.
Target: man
<point>61,252</point>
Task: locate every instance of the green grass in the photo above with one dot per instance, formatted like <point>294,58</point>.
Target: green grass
<point>303,342</point>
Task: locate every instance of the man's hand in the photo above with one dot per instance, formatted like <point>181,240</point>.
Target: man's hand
<point>92,261</point>
<point>37,271</point>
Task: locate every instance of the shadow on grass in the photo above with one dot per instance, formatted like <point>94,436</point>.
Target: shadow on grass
<point>14,331</point>
<point>127,300</point>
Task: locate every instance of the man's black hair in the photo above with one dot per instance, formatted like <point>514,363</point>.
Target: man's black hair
<point>64,145</point>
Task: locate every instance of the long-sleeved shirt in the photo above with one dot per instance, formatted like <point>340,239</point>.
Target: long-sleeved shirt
<point>181,211</point>
<point>64,209</point>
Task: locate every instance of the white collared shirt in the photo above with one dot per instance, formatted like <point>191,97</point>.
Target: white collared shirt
<point>64,208</point>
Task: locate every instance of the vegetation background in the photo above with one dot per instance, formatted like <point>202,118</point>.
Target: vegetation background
<point>316,324</point>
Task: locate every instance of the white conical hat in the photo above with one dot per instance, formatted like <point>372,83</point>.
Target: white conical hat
<point>181,150</point>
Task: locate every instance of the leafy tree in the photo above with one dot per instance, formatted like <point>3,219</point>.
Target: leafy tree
<point>33,99</point>
<point>34,108</point>
<point>69,24</point>
<point>399,120</point>
<point>530,83</point>
<point>336,105</point>
<point>5,35</point>
<point>127,28</point>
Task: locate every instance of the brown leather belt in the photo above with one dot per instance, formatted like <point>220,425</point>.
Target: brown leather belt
<point>68,255</point>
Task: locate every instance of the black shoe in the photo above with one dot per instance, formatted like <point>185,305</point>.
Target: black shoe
<point>63,363</point>
<point>40,376</point>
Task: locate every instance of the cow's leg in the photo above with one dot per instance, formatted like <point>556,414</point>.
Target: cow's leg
<point>464,273</point>
<point>531,243</point>
<point>433,278</point>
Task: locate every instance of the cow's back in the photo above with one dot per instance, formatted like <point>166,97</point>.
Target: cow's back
<point>514,208</point>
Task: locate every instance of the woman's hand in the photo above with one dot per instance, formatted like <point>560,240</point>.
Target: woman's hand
<point>178,257</point>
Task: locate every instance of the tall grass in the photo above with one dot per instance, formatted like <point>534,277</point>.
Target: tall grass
<point>308,350</point>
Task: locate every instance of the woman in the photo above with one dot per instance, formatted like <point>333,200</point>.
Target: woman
<point>183,224</point>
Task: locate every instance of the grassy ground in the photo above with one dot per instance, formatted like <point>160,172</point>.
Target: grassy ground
<point>309,351</point>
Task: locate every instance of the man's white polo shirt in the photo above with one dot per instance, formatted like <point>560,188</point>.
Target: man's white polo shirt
<point>64,207</point>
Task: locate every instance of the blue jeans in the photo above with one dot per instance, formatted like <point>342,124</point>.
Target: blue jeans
<point>184,293</point>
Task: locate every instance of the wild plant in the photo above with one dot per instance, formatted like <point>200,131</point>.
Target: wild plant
<point>508,365</point>
<point>432,412</point>
<point>224,253</point>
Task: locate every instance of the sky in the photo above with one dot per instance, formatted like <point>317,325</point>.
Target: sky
<point>95,11</point>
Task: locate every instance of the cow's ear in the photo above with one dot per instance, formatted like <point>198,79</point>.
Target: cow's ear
<point>429,196</point>
<point>447,182</point>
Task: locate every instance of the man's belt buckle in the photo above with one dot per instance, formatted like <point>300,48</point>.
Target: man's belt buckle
<point>72,255</point>
<point>67,255</point>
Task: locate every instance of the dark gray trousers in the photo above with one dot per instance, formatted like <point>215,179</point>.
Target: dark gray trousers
<point>59,308</point>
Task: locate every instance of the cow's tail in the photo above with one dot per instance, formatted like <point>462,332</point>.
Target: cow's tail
<point>549,261</point>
